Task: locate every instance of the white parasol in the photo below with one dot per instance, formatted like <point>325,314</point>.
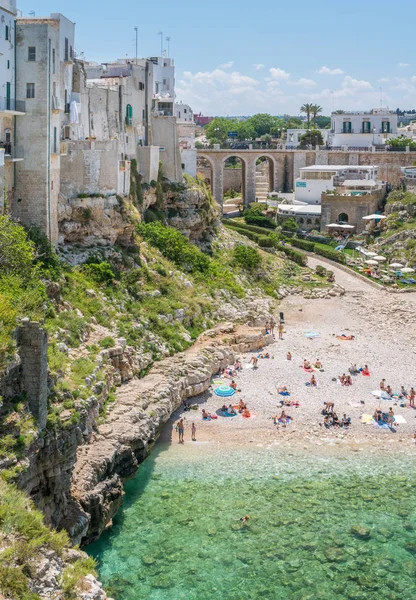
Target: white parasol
<point>381,394</point>
<point>371,217</point>
<point>407,270</point>
<point>371,262</point>
<point>395,266</point>
<point>380,258</point>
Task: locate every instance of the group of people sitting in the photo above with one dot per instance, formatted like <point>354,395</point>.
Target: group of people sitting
<point>381,417</point>
<point>231,372</point>
<point>331,418</point>
<point>403,395</point>
<point>316,365</point>
<point>345,379</point>
<point>282,419</point>
<point>354,370</point>
<point>240,408</point>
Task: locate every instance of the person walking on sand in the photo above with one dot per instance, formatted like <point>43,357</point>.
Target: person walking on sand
<point>181,427</point>
<point>280,330</point>
<point>193,429</point>
<point>412,395</point>
<point>272,324</point>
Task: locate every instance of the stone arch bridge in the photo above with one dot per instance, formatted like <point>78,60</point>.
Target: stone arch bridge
<point>279,169</point>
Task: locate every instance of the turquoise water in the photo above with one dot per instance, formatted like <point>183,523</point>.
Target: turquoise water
<point>320,529</point>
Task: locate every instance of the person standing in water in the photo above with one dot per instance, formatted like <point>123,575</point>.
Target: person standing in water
<point>193,432</point>
<point>181,427</point>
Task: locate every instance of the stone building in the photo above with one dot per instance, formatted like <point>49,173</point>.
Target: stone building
<point>44,62</point>
<point>351,203</point>
<point>11,106</point>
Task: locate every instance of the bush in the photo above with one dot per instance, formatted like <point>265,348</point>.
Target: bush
<point>100,272</point>
<point>304,244</point>
<point>17,253</point>
<point>246,257</point>
<point>294,255</point>
<point>321,271</point>
<point>260,221</point>
<point>290,224</point>
<point>265,241</point>
<point>107,342</point>
<point>175,247</point>
<point>334,255</point>
<point>254,228</point>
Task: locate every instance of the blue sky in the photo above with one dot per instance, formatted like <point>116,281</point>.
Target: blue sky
<point>240,57</point>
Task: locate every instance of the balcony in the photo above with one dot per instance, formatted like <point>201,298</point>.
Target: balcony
<point>10,106</point>
<point>12,153</point>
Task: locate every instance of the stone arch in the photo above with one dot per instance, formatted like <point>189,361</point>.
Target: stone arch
<point>269,174</point>
<point>243,161</point>
<point>343,218</point>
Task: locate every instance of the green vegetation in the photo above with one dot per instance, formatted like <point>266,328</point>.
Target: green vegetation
<point>24,538</point>
<point>247,257</point>
<point>401,197</point>
<point>254,216</point>
<point>402,142</point>
<point>295,255</point>
<point>312,137</point>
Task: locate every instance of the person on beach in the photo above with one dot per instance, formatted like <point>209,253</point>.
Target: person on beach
<point>383,384</point>
<point>346,421</point>
<point>306,364</point>
<point>254,360</point>
<point>233,385</point>
<point>329,408</point>
<point>389,390</point>
<point>318,364</point>
<point>366,370</point>
<point>280,330</point>
<point>313,381</point>
<point>403,392</point>
<point>412,395</point>
<point>193,429</point>
<point>272,325</point>
<point>390,417</point>
<point>378,415</point>
<point>206,416</point>
<point>289,356</point>
<point>245,518</point>
<point>267,327</point>
<point>181,427</point>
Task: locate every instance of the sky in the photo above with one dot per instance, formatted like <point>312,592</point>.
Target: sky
<point>240,58</point>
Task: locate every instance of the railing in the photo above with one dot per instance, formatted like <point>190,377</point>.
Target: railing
<point>11,151</point>
<point>162,113</point>
<point>12,104</point>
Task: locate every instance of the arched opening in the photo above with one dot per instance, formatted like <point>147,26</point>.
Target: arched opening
<point>264,178</point>
<point>204,170</point>
<point>234,177</point>
<point>343,218</point>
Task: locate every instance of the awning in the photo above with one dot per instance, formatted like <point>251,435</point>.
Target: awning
<point>371,217</point>
<point>339,226</point>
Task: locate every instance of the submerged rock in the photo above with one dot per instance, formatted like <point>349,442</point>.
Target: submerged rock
<point>360,532</point>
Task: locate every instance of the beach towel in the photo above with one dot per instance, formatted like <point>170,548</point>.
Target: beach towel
<point>347,338</point>
<point>365,374</point>
<point>217,381</point>
<point>400,419</point>
<point>312,334</point>
<point>355,404</point>
<point>310,370</point>
<point>367,419</point>
<point>248,366</point>
<point>284,393</point>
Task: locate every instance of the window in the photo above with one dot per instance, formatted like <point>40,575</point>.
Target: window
<point>184,110</point>
<point>366,127</point>
<point>385,127</point>
<point>7,34</point>
<point>71,52</point>
<point>141,85</point>
<point>129,114</point>
<point>54,88</point>
<point>31,53</point>
<point>66,57</point>
<point>343,218</point>
<point>53,61</point>
<point>54,149</point>
<point>30,90</point>
<point>183,166</point>
<point>8,64</point>
<point>347,127</point>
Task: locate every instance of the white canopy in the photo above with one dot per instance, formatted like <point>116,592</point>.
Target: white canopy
<point>396,265</point>
<point>381,394</point>
<point>368,253</point>
<point>371,262</point>
<point>339,226</point>
<point>407,270</point>
<point>380,258</point>
<point>370,217</point>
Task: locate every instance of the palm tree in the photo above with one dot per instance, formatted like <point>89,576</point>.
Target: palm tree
<point>315,110</point>
<point>307,109</point>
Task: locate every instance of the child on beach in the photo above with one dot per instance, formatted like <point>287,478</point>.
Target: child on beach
<point>193,430</point>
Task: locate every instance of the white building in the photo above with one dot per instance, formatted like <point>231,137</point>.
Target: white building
<point>183,112</point>
<point>316,179</point>
<point>362,129</point>
<point>10,105</point>
<point>293,137</point>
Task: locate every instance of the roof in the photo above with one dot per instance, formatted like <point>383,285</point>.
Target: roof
<point>360,182</point>
<point>339,168</point>
<point>305,209</point>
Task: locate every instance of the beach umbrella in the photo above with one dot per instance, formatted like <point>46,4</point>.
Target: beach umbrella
<point>407,270</point>
<point>395,266</point>
<point>380,258</point>
<point>224,390</point>
<point>371,262</point>
<point>381,394</point>
<point>371,217</point>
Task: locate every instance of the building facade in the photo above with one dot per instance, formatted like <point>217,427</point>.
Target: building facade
<point>293,137</point>
<point>317,179</point>
<point>362,129</point>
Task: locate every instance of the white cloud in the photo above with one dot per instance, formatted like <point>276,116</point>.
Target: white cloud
<point>258,66</point>
<point>304,82</point>
<point>350,83</point>
<point>403,65</point>
<point>383,80</point>
<point>277,73</point>
<point>227,65</point>
<point>327,71</point>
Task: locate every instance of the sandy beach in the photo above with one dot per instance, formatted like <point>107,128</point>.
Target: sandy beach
<point>384,326</point>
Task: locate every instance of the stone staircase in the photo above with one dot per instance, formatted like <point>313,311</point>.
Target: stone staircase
<point>262,186</point>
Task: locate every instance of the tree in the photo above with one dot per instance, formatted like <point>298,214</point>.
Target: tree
<point>245,130</point>
<point>307,109</point>
<point>311,138</point>
<point>247,257</point>
<point>323,122</point>
<point>217,130</point>
<point>262,123</point>
<point>17,253</point>
<point>315,110</point>
<point>294,123</point>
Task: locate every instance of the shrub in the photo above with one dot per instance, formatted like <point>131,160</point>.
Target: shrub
<point>100,272</point>
<point>16,251</point>
<point>295,255</point>
<point>175,247</point>
<point>264,241</point>
<point>321,271</point>
<point>107,342</point>
<point>260,221</point>
<point>254,237</point>
<point>254,228</point>
<point>304,244</point>
<point>334,255</point>
<point>290,224</point>
<point>246,257</point>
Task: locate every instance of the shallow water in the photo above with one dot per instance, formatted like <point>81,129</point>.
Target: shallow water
<point>179,536</point>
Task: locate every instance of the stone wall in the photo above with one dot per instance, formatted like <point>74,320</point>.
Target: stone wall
<point>355,207</point>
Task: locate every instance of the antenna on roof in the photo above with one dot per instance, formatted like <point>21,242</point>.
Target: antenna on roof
<point>168,39</point>
<point>136,29</point>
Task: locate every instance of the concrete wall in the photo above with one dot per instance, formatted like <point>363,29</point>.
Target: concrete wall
<point>165,135</point>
